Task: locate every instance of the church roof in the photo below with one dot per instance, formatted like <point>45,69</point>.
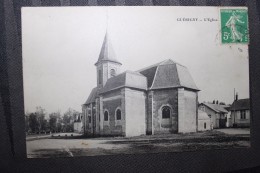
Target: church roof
<point>107,52</point>
<point>168,74</point>
<point>126,79</point>
<point>92,96</point>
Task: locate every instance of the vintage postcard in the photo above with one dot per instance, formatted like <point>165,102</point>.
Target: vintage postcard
<point>133,80</point>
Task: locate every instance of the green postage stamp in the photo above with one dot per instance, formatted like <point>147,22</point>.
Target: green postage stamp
<point>234,25</point>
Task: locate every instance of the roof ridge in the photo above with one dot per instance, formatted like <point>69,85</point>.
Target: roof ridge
<point>154,76</point>
<point>161,64</point>
<point>145,68</point>
<point>178,74</point>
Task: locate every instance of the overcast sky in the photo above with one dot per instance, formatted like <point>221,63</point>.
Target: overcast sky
<point>61,45</point>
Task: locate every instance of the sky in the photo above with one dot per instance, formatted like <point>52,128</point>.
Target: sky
<point>60,46</point>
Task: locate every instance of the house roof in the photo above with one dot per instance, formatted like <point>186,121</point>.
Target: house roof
<point>92,96</point>
<point>216,107</point>
<point>241,104</point>
<point>227,107</point>
<point>168,74</point>
<point>126,79</point>
<point>107,52</point>
<point>203,115</point>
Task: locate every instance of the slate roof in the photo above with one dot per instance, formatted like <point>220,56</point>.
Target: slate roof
<point>216,107</point>
<point>92,96</point>
<point>241,104</point>
<point>126,79</point>
<point>107,52</point>
<point>168,74</point>
<point>203,115</point>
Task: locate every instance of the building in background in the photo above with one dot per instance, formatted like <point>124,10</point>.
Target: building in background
<point>161,98</point>
<point>204,122</point>
<point>240,113</point>
<point>216,112</point>
<point>78,124</point>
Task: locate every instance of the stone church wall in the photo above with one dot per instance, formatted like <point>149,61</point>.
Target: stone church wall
<point>164,97</point>
<point>89,112</point>
<point>135,111</point>
<point>113,126</point>
<point>187,111</point>
<point>149,112</point>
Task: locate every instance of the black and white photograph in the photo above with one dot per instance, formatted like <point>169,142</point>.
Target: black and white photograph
<point>134,80</point>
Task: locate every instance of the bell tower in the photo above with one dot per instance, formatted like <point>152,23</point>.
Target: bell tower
<point>107,65</point>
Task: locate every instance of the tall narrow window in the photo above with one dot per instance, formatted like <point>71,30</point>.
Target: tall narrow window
<point>243,114</point>
<point>106,116</point>
<point>112,72</point>
<point>166,112</point>
<point>89,119</point>
<point>205,125</point>
<point>99,76</point>
<point>118,114</point>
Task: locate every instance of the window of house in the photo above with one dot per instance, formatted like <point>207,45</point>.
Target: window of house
<point>106,116</point>
<point>205,125</point>
<point>112,72</point>
<point>166,112</point>
<point>118,114</point>
<point>89,119</point>
<point>243,114</point>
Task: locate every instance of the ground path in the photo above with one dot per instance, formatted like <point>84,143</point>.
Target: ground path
<point>62,146</point>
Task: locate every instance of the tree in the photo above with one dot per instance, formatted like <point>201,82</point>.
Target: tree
<point>40,114</point>
<point>27,127</point>
<point>54,121</point>
<point>68,119</point>
<point>33,122</point>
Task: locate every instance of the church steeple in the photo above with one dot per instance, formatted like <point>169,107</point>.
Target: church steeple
<point>107,52</point>
<point>107,64</point>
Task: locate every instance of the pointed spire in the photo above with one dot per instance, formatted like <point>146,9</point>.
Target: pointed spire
<point>107,52</point>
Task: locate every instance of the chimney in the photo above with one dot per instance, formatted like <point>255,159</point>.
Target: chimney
<point>236,96</point>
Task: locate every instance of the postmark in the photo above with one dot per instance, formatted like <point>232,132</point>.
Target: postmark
<point>234,26</point>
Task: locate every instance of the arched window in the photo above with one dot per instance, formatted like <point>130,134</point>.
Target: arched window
<point>106,116</point>
<point>205,125</point>
<point>118,114</point>
<point>166,112</point>
<point>112,72</point>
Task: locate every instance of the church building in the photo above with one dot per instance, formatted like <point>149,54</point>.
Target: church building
<point>161,98</point>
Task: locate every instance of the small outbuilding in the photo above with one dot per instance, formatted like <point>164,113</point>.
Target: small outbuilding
<point>78,124</point>
<point>203,121</point>
<point>240,113</point>
<point>216,112</point>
